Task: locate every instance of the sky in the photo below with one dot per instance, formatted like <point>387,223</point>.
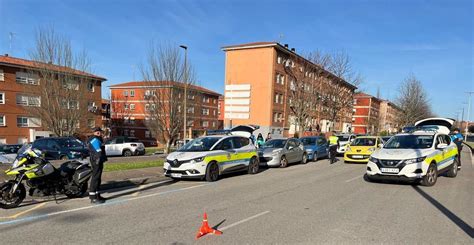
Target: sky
<point>387,40</point>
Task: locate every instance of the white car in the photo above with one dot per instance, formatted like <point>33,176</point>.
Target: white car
<point>422,153</point>
<point>124,146</point>
<point>344,140</point>
<point>211,156</point>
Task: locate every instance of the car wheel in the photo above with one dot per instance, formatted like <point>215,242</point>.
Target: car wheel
<point>453,172</point>
<point>212,172</point>
<point>64,158</point>
<point>305,159</point>
<point>283,162</point>
<point>431,176</point>
<point>127,153</point>
<point>253,166</point>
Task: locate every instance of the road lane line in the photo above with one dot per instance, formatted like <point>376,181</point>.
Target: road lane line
<point>27,211</point>
<point>355,178</point>
<point>244,220</point>
<point>41,216</point>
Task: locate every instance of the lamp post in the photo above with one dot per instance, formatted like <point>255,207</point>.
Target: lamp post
<point>468,113</point>
<point>185,90</point>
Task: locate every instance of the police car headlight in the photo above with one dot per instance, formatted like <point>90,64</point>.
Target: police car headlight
<point>196,160</point>
<point>414,160</point>
<point>374,160</point>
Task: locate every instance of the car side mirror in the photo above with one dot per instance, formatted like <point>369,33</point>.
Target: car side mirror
<point>290,148</point>
<point>441,146</point>
<point>380,145</point>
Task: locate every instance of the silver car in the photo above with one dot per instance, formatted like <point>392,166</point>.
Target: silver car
<point>281,152</point>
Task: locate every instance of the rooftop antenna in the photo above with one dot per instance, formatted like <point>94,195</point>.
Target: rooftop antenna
<point>11,35</point>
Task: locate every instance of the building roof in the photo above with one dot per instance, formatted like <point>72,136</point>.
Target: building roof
<point>147,84</point>
<point>13,61</point>
<point>364,95</point>
<point>283,49</point>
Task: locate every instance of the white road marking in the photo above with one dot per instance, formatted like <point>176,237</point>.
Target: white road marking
<point>244,220</point>
<point>355,178</point>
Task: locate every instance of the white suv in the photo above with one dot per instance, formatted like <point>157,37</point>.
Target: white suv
<point>421,153</point>
<point>124,146</point>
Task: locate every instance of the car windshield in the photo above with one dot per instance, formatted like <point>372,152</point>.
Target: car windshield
<point>308,141</point>
<point>277,143</point>
<point>363,142</point>
<point>71,143</point>
<point>343,137</point>
<point>199,144</point>
<point>410,142</point>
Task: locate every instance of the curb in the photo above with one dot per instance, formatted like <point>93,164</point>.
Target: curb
<point>472,149</point>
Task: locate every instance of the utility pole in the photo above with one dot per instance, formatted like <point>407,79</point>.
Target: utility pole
<point>11,36</point>
<point>468,113</point>
<point>185,90</point>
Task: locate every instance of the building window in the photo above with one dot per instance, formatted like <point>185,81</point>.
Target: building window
<point>125,132</point>
<point>147,134</point>
<point>147,107</point>
<point>22,121</point>
<point>125,106</point>
<point>355,101</point>
<point>281,99</point>
<point>90,86</point>
<point>132,121</point>
<point>132,107</point>
<point>27,78</point>
<point>214,112</point>
<point>190,109</point>
<point>205,99</point>
<point>91,123</point>
<point>28,100</point>
<point>190,123</point>
<point>132,133</point>
<point>22,140</point>
<point>191,96</point>
<point>2,121</point>
<point>205,112</point>
<point>3,141</point>
<point>125,93</point>
<point>215,101</point>
<point>2,98</point>
<point>2,76</point>
<point>277,97</point>
<point>279,60</point>
<point>205,123</point>
<point>132,93</point>
<point>213,124</point>
<point>71,84</point>
<point>275,117</point>
<point>70,104</point>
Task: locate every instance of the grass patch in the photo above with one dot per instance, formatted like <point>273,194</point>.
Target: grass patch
<point>152,150</point>
<point>471,144</point>
<point>109,167</point>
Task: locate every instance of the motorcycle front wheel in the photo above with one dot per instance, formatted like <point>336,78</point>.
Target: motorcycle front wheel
<point>11,200</point>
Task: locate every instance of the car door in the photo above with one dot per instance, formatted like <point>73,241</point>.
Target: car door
<point>241,146</point>
<point>299,150</point>
<point>292,154</point>
<point>449,151</point>
<point>322,147</point>
<point>439,153</point>
<point>109,147</point>
<point>230,162</point>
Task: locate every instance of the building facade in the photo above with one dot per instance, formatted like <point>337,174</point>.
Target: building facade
<point>388,117</point>
<point>259,78</point>
<point>20,80</point>
<point>366,118</point>
<point>132,108</point>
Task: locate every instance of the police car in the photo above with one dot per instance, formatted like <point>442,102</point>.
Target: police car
<point>211,156</point>
<point>421,153</point>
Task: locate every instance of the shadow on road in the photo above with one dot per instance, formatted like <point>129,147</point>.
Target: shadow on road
<point>216,227</point>
<point>136,190</point>
<point>453,217</point>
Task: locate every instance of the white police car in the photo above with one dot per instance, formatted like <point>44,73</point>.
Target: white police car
<point>422,153</point>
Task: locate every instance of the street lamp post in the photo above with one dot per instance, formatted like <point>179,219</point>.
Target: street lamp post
<point>468,113</point>
<point>185,90</point>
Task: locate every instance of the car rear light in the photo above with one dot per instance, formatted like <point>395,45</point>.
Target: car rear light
<point>134,145</point>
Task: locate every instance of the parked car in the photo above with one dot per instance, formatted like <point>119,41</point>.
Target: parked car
<point>61,148</point>
<point>124,146</point>
<point>8,153</point>
<point>361,148</point>
<point>281,152</point>
<point>315,146</point>
<point>344,140</point>
<point>422,153</point>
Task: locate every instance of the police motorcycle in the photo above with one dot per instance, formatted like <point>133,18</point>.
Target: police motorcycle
<point>42,178</point>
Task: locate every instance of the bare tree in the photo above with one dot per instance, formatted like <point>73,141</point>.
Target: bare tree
<point>337,87</point>
<point>120,114</point>
<point>62,101</point>
<point>166,77</point>
<point>413,101</point>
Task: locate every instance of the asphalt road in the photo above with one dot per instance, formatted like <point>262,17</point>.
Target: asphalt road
<point>315,203</point>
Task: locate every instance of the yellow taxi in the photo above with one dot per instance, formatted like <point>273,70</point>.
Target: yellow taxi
<point>361,148</point>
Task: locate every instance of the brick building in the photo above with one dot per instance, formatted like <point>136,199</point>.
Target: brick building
<point>19,82</point>
<point>258,83</point>
<point>366,118</point>
<point>131,108</point>
<point>388,116</point>
<point>221,112</point>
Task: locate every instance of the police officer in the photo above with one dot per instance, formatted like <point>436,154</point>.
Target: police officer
<point>333,144</point>
<point>457,138</point>
<point>97,159</point>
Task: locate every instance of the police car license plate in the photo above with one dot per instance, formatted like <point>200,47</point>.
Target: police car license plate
<point>358,156</point>
<point>390,170</point>
<point>176,175</point>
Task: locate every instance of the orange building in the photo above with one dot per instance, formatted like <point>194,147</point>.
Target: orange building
<point>221,112</point>
<point>257,85</point>
<point>130,108</point>
<point>17,78</point>
<point>366,118</point>
<point>388,117</point>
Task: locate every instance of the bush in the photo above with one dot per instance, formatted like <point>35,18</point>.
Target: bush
<point>384,133</point>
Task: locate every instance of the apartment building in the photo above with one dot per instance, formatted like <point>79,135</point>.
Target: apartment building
<point>366,118</point>
<point>20,80</point>
<point>388,116</point>
<point>131,108</point>
<point>221,112</point>
<point>258,80</point>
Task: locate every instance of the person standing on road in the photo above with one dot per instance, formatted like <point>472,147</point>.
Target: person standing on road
<point>457,138</point>
<point>97,158</point>
<point>260,140</point>
<point>269,137</point>
<point>333,145</point>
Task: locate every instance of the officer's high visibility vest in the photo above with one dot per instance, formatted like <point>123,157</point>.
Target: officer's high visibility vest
<point>333,140</point>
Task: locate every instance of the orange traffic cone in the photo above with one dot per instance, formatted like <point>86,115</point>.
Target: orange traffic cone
<point>205,229</point>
